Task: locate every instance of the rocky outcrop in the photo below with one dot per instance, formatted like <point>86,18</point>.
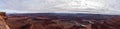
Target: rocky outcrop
<point>3,24</point>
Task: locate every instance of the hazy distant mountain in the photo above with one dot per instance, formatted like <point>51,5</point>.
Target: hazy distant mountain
<point>67,15</point>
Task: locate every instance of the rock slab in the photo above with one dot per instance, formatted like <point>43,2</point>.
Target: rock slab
<point>3,24</point>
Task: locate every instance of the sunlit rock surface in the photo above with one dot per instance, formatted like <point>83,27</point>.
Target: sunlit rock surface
<point>3,24</point>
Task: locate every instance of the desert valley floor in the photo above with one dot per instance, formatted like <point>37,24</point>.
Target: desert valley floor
<point>62,21</point>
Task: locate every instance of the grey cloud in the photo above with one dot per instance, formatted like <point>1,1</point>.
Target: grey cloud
<point>62,6</point>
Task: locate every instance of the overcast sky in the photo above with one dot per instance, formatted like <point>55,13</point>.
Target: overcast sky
<point>61,6</point>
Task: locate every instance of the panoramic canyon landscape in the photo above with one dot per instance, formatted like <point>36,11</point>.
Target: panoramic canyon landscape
<point>59,14</point>
<point>61,21</point>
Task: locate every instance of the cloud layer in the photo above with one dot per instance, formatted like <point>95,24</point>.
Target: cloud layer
<point>61,6</point>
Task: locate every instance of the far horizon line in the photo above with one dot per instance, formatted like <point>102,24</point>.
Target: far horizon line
<point>61,13</point>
